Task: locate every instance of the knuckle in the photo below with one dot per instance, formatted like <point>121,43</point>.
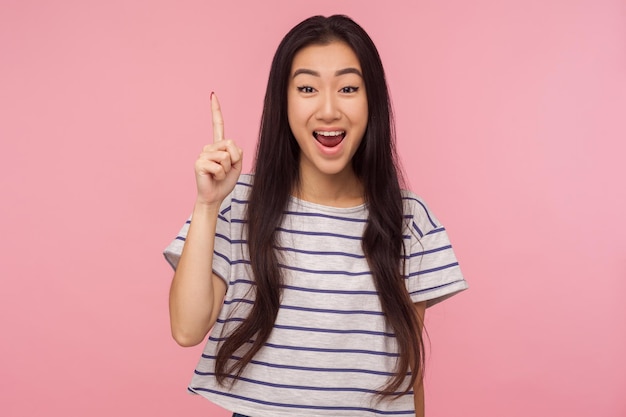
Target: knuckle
<point>223,157</point>
<point>219,174</point>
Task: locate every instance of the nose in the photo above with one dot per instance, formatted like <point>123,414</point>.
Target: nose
<point>328,109</point>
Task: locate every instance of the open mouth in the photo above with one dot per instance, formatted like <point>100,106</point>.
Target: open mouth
<point>329,139</point>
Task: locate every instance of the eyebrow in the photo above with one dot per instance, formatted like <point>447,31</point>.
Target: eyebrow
<point>349,70</point>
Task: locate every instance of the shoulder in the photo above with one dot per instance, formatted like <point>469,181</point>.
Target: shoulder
<point>244,185</point>
<point>242,189</point>
<point>234,204</point>
<point>417,212</point>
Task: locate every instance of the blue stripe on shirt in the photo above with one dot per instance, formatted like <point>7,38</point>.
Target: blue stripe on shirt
<point>311,310</point>
<point>327,272</point>
<point>231,241</point>
<point>330,311</point>
<point>427,252</point>
<point>423,290</point>
<point>437,230</point>
<point>309,233</point>
<point>428,271</point>
<point>424,207</point>
<point>312,252</point>
<point>308,407</point>
<point>325,216</point>
<point>313,329</point>
<point>315,290</point>
<point>310,369</point>
<point>328,350</point>
<point>244,183</point>
<point>297,387</point>
<point>417,229</point>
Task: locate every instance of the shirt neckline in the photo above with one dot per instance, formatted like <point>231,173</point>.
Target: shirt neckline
<point>321,207</point>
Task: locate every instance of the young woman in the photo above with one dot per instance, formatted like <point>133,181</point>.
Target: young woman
<point>314,272</point>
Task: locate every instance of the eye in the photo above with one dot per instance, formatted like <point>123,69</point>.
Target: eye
<point>349,89</point>
<point>306,89</point>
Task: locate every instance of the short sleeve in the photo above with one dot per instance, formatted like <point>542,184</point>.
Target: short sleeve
<point>222,246</point>
<point>173,251</point>
<point>432,271</point>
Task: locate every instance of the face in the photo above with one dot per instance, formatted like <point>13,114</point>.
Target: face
<point>327,108</point>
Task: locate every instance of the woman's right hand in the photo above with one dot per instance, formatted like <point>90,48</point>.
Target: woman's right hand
<point>197,292</point>
<point>219,165</point>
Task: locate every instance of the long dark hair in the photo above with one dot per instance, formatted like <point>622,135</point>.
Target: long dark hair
<point>276,176</point>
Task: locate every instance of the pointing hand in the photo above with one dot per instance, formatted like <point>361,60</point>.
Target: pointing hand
<point>219,165</point>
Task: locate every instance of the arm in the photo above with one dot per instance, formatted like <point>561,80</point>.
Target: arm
<point>418,388</point>
<point>196,293</point>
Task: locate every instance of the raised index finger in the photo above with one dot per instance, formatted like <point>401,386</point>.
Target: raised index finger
<point>218,120</point>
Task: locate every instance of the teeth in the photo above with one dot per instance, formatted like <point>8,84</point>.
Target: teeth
<point>335,133</point>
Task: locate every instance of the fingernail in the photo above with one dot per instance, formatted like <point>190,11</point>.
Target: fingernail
<point>211,96</point>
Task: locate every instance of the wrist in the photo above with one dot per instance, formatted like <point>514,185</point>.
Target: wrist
<point>202,207</point>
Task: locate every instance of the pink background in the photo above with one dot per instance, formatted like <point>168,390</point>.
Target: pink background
<point>511,119</point>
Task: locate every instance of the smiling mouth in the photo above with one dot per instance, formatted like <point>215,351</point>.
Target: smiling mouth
<point>329,139</point>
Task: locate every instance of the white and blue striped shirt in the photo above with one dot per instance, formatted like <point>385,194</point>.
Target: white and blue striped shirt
<point>330,349</point>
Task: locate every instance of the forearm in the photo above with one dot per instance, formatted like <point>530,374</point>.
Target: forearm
<point>193,292</point>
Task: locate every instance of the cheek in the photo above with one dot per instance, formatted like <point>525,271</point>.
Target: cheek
<point>298,115</point>
<point>361,124</point>
<point>365,108</point>
<point>292,114</point>
<point>359,110</point>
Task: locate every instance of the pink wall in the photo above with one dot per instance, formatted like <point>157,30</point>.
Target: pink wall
<point>511,121</point>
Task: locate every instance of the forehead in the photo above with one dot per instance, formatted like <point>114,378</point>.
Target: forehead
<point>326,58</point>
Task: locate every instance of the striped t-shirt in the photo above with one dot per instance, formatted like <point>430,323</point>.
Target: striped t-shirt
<point>330,349</point>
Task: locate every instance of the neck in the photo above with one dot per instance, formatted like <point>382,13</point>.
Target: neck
<point>339,190</point>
